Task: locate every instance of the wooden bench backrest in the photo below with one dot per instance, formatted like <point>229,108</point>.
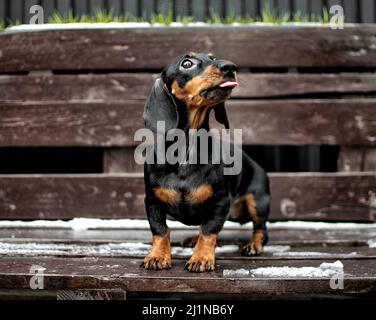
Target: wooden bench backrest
<point>88,87</point>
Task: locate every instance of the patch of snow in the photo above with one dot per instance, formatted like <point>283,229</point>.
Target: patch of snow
<point>323,271</point>
<point>110,249</point>
<point>371,243</point>
<point>319,225</point>
<point>313,254</point>
<point>80,224</point>
<point>227,249</point>
<point>301,254</point>
<point>235,273</point>
<point>276,249</point>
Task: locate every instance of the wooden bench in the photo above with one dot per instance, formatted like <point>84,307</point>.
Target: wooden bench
<point>87,88</point>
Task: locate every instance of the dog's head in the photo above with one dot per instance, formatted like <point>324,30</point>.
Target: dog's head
<point>197,82</point>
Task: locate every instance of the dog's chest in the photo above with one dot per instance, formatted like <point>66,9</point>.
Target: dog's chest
<point>184,186</point>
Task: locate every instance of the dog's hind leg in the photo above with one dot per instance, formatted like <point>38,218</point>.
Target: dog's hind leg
<point>190,242</point>
<point>258,209</point>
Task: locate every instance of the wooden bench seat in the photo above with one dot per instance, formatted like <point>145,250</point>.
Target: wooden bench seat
<point>108,265</point>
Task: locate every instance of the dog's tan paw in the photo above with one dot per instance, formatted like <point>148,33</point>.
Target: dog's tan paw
<point>255,246</point>
<point>200,264</point>
<point>160,262</point>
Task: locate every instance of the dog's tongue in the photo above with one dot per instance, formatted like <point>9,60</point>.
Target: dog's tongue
<point>229,84</point>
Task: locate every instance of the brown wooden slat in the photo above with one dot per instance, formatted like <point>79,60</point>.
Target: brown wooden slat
<point>293,122</point>
<point>29,248</point>
<point>89,88</point>
<point>252,46</point>
<point>313,196</point>
<point>86,273</point>
<point>110,87</point>
<point>296,238</point>
<point>289,84</point>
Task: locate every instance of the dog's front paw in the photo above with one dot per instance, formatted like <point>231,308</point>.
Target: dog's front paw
<point>200,263</point>
<point>255,246</point>
<point>153,262</point>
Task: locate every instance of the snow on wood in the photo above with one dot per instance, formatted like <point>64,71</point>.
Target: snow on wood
<point>371,243</point>
<point>79,224</point>
<point>325,270</point>
<point>110,249</point>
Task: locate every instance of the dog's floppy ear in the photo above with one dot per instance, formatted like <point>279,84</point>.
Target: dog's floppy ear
<point>221,115</point>
<point>160,106</point>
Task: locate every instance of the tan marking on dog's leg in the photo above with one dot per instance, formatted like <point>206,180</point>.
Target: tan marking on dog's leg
<point>203,257</point>
<point>251,207</point>
<point>255,246</point>
<point>160,254</point>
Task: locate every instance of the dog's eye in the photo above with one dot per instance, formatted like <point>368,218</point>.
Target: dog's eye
<point>211,57</point>
<point>186,64</point>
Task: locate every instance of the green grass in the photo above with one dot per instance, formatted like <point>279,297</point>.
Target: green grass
<point>163,19</point>
<point>59,18</point>
<point>268,15</point>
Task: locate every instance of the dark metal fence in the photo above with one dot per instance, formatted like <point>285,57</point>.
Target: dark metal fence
<point>355,10</point>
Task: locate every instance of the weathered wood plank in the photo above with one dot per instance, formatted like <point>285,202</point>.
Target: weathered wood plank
<point>122,49</point>
<point>111,249</point>
<point>110,87</point>
<point>90,88</point>
<point>301,238</point>
<point>86,273</point>
<point>344,122</point>
<point>295,196</point>
<point>295,84</point>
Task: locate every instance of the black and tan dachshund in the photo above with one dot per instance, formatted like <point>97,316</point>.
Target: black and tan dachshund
<point>199,194</point>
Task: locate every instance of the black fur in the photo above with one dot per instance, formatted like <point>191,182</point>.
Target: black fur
<point>211,214</point>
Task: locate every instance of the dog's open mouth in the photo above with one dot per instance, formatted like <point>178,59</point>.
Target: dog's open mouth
<point>225,86</point>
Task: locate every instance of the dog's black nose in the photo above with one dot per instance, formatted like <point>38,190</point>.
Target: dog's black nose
<point>227,67</point>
